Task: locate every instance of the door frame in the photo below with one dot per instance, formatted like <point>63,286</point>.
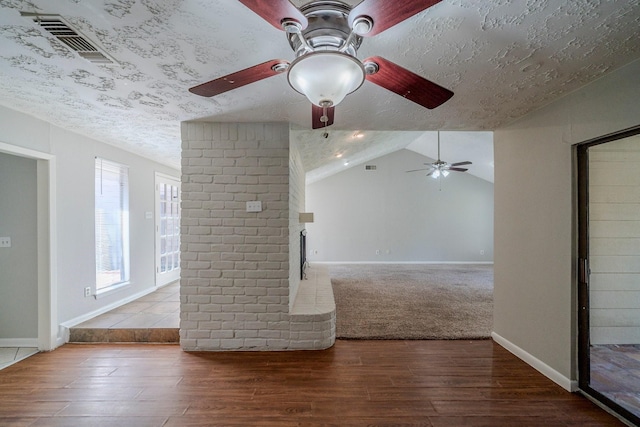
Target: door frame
<point>159,176</point>
<point>48,337</point>
<point>582,204</point>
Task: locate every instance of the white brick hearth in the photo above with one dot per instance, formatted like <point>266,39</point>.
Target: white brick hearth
<point>240,269</point>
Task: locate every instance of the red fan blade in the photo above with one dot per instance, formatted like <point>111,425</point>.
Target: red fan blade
<point>238,79</point>
<point>387,13</point>
<point>407,84</point>
<point>461,163</point>
<point>276,11</point>
<point>458,169</point>
<point>316,114</point>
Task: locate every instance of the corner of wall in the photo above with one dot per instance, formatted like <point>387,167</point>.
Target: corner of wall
<point>296,205</point>
<point>236,273</point>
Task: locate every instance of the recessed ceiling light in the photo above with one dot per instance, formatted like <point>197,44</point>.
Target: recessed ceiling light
<point>346,162</point>
<point>358,135</point>
<point>339,155</point>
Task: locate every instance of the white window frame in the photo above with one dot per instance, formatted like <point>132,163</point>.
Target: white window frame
<point>165,276</point>
<point>103,166</point>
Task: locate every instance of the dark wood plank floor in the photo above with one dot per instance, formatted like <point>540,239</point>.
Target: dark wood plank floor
<point>377,383</point>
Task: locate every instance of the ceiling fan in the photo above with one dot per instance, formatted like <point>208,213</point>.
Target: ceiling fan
<point>440,168</point>
<point>325,37</point>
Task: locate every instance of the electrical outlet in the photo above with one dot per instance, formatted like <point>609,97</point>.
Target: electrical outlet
<point>5,242</point>
<point>377,251</point>
<point>254,206</point>
<point>87,291</point>
<point>481,251</point>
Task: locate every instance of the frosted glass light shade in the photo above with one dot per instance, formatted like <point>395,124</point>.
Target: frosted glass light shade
<point>325,76</point>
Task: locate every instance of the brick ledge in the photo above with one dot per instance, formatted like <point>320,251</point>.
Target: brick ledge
<point>315,296</point>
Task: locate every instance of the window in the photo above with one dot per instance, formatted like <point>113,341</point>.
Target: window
<point>167,229</point>
<point>112,224</point>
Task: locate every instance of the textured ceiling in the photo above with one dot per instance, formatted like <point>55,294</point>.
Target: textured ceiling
<point>342,149</point>
<point>502,58</point>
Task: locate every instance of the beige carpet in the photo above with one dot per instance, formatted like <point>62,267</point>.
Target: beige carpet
<point>413,301</point>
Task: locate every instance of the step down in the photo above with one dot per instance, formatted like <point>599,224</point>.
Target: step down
<point>128,335</point>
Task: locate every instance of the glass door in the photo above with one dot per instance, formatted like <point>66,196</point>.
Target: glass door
<point>167,229</point>
<point>609,271</point>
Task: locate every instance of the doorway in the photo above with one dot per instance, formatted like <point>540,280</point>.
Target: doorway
<point>609,271</point>
<point>47,327</point>
<point>167,229</point>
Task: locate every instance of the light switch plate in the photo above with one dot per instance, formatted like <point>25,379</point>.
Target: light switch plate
<point>5,242</point>
<point>254,206</point>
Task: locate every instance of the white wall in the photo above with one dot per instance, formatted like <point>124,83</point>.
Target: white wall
<point>407,217</point>
<point>234,281</point>
<point>534,268</point>
<point>18,264</point>
<point>74,190</point>
<point>296,205</point>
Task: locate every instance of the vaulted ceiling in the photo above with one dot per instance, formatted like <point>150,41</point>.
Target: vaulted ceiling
<point>501,58</point>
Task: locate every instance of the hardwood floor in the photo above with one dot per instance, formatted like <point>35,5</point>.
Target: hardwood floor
<point>410,383</point>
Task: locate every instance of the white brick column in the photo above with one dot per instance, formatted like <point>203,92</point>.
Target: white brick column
<point>235,264</point>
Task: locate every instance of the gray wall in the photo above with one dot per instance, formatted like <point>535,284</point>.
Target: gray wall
<point>18,264</point>
<point>534,266</point>
<point>74,157</point>
<point>407,217</point>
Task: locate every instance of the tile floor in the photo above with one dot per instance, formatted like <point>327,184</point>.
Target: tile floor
<point>152,318</point>
<point>615,372</point>
<point>11,355</point>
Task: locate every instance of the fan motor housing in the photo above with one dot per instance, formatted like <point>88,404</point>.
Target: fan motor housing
<point>328,29</point>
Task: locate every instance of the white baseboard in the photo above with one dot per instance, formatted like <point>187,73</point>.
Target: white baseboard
<point>87,316</point>
<point>537,364</point>
<point>18,342</point>
<point>399,262</point>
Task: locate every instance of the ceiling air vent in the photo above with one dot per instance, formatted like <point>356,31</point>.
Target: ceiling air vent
<point>61,30</point>
<point>370,167</point>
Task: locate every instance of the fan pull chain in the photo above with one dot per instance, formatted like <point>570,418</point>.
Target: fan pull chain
<point>325,117</point>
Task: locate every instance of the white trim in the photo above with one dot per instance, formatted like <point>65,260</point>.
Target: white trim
<point>167,176</point>
<point>18,342</point>
<point>24,152</point>
<point>400,262</point>
<point>87,316</point>
<point>537,364</point>
<point>48,337</point>
<point>101,293</point>
<point>47,255</point>
<point>163,279</point>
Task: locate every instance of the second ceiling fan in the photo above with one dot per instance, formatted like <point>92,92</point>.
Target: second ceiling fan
<point>325,36</point>
<point>440,168</point>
